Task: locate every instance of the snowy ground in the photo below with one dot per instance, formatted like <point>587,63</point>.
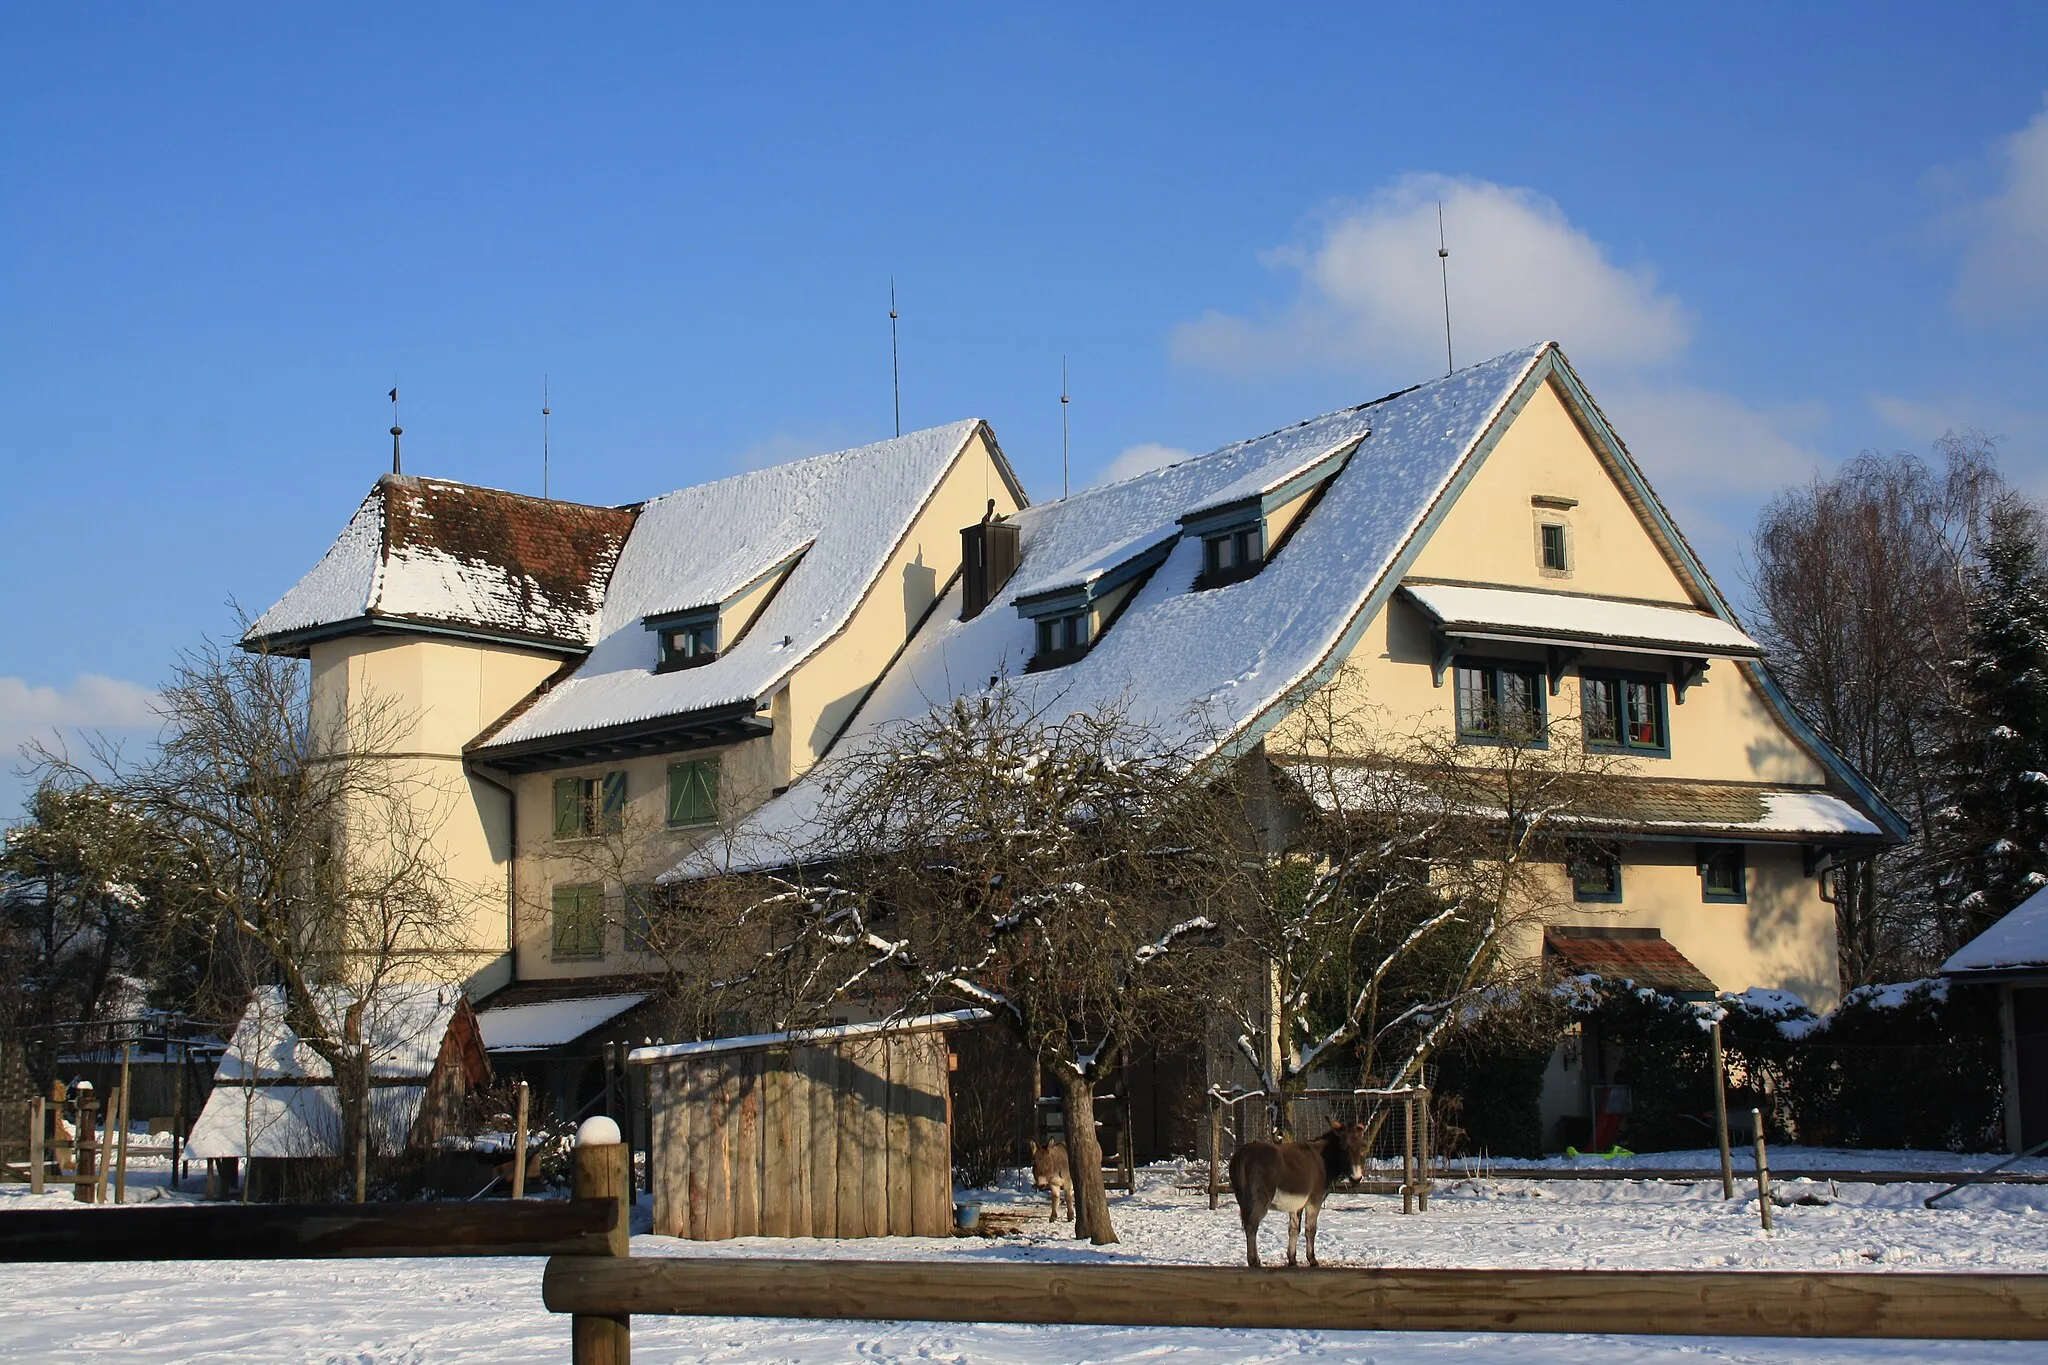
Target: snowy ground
<point>489,1310</point>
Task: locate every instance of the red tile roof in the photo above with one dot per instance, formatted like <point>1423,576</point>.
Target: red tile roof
<point>1651,962</point>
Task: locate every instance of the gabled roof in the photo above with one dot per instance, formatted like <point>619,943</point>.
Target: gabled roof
<point>430,555</point>
<point>1220,667</point>
<point>695,547</point>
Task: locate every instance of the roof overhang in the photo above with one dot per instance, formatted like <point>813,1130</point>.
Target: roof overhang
<point>709,728</point>
<point>541,1025</point>
<point>1224,513</point>
<point>1077,595</point>
<point>298,644</point>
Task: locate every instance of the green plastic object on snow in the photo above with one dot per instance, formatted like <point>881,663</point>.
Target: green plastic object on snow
<point>1617,1151</point>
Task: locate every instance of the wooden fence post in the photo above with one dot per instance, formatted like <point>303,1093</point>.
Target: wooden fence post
<point>36,1120</point>
<point>600,1173</point>
<point>127,1100</point>
<point>1422,1195</point>
<point>109,1135</point>
<point>83,1151</point>
<point>1408,1152</point>
<point>1215,1147</point>
<point>519,1145</point>
<point>1763,1168</point>
<point>177,1048</point>
<point>1721,1112</point>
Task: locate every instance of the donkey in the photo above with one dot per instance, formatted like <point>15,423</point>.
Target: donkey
<point>1049,1171</point>
<point>1293,1177</point>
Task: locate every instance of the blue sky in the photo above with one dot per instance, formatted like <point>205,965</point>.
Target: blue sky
<point>1769,238</point>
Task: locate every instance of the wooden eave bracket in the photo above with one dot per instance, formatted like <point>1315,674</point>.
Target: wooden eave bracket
<point>1686,673</point>
<point>1557,658</point>
<point>1443,647</point>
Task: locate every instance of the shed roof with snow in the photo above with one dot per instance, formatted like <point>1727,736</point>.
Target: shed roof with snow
<point>2017,945</point>
<point>274,1096</point>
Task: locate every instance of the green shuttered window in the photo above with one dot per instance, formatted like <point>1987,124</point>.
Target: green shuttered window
<point>693,792</point>
<point>579,923</point>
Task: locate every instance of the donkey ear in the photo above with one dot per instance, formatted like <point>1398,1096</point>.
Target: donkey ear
<point>1336,1125</point>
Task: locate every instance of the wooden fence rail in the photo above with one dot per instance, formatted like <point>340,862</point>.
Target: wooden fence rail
<point>1647,1302</point>
<point>263,1232</point>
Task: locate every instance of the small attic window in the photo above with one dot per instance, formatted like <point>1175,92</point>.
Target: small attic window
<point>1234,554</point>
<point>1063,638</point>
<point>1556,548</point>
<point>686,642</point>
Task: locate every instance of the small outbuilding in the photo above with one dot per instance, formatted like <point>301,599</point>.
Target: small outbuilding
<point>832,1132</point>
<point>274,1099</point>
<point>2012,957</point>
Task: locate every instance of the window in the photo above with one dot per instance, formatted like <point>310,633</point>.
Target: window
<point>693,792</point>
<point>1724,874</point>
<point>579,923</point>
<point>1596,875</point>
<point>1624,712</point>
<point>1556,553</point>
<point>687,645</point>
<point>590,805</point>
<point>1500,702</point>
<point>1062,639</point>
<point>1229,556</point>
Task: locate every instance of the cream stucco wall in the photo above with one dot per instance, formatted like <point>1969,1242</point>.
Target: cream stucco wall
<point>1723,731</point>
<point>421,699</point>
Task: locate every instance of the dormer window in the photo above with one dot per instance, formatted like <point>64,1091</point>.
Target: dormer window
<point>1234,554</point>
<point>1063,639</point>
<point>686,641</point>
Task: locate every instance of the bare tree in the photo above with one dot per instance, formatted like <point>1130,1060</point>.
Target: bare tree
<point>1862,583</point>
<point>306,840</point>
<point>1393,879</point>
<point>1054,869</point>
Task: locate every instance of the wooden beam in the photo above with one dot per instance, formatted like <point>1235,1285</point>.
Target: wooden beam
<point>1651,1302</point>
<point>270,1232</point>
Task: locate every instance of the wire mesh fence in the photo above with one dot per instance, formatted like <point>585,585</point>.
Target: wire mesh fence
<point>1397,1133</point>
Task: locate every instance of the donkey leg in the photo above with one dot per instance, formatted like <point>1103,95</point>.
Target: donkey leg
<point>1308,1221</point>
<point>1293,1228</point>
<point>1250,1217</point>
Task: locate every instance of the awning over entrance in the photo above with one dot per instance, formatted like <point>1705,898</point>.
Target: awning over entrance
<point>1572,621</point>
<point>1639,955</point>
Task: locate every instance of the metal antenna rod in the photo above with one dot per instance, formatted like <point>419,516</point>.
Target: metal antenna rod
<point>1443,261</point>
<point>396,432</point>
<point>895,360</point>
<point>544,436</point>
<point>1063,427</point>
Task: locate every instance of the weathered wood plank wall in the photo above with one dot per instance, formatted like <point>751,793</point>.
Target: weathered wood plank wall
<point>848,1140</point>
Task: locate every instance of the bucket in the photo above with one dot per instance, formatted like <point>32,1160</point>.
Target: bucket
<point>966,1217</point>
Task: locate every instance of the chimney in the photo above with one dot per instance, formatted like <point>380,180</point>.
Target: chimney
<point>988,556</point>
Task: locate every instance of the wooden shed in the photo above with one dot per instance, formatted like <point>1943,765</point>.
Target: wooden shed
<point>833,1132</point>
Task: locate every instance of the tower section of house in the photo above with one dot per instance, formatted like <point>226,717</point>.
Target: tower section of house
<point>439,608</point>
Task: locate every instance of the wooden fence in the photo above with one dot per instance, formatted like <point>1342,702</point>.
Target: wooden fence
<point>591,1276</point>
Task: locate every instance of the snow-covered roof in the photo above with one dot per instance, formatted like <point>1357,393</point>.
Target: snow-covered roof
<point>549,1023</point>
<point>435,554</point>
<point>297,1120</point>
<point>698,546</point>
<point>404,1023</point>
<point>835,1033</point>
<point>1196,665</point>
<point>1571,618</point>
<point>2019,940</point>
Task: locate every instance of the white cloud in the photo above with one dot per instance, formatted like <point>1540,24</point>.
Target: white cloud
<point>88,702</point>
<point>2005,267</point>
<point>1371,294</point>
<point>1698,446</point>
<point>1139,458</point>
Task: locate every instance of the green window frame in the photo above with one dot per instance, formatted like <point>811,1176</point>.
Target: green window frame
<point>693,793</point>
<point>1501,703</point>
<point>1596,875</point>
<point>1625,713</point>
<point>578,923</point>
<point>589,805</point>
<point>1063,638</point>
<point>1724,874</point>
<point>1232,555</point>
<point>1557,555</point>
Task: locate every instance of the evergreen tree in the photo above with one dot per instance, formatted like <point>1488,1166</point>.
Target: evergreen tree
<point>1996,828</point>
